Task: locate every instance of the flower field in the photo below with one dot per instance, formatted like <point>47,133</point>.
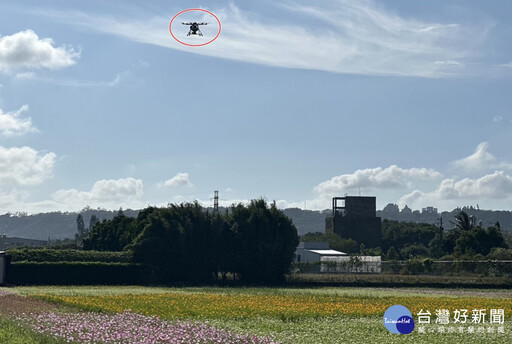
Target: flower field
<point>288,307</point>
<point>257,315</point>
<point>128,327</point>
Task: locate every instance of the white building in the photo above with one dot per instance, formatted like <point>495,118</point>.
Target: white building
<point>332,261</point>
<point>310,252</point>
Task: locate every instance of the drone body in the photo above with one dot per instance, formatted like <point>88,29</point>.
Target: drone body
<point>194,28</point>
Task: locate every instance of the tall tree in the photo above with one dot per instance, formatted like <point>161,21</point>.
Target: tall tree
<point>265,242</point>
<point>80,229</point>
<point>94,220</point>
<point>463,221</point>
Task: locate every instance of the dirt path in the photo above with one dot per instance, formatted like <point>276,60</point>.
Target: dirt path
<point>12,304</point>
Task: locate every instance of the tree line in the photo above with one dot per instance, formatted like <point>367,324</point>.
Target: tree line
<point>254,243</point>
<point>405,240</point>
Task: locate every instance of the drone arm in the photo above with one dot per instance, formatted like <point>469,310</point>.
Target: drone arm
<point>202,23</point>
<point>186,23</point>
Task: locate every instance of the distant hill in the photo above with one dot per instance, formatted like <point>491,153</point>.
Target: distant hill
<point>308,221</point>
<point>12,242</point>
<point>55,225</point>
<point>59,225</point>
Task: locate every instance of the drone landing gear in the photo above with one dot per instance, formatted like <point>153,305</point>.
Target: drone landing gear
<point>194,33</point>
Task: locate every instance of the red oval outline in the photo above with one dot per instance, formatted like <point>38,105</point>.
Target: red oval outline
<point>195,9</point>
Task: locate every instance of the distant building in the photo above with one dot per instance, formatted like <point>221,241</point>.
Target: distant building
<point>429,211</point>
<point>406,210</point>
<point>309,252</point>
<point>391,208</point>
<point>354,217</point>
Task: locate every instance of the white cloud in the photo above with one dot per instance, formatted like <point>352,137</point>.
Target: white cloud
<point>354,37</point>
<point>180,179</point>
<point>481,160</point>
<point>111,193</point>
<point>495,186</point>
<point>11,124</point>
<point>24,166</point>
<point>106,194</point>
<point>26,50</point>
<point>392,177</point>
<point>497,118</point>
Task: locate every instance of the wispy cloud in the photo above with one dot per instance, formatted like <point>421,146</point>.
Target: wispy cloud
<point>352,37</point>
<point>180,179</point>
<point>115,81</point>
<point>505,65</point>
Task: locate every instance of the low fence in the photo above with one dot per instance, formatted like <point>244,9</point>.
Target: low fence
<point>448,267</point>
<point>341,264</point>
<point>351,264</point>
<point>427,266</point>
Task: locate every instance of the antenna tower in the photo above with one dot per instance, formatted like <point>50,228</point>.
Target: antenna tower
<point>216,202</point>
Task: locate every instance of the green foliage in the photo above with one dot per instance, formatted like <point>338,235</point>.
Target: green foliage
<point>467,239</point>
<point>500,253</point>
<point>80,229</point>
<point>463,222</point>
<point>412,251</point>
<point>183,243</point>
<point>335,241</point>
<point>401,234</point>
<point>111,235</point>
<point>73,273</point>
<point>392,253</point>
<point>54,255</point>
<point>424,240</point>
<point>265,241</point>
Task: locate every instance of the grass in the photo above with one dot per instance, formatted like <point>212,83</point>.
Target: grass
<point>12,333</point>
<point>394,280</point>
<point>292,315</point>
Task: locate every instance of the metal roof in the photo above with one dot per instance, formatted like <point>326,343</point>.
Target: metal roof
<point>328,252</point>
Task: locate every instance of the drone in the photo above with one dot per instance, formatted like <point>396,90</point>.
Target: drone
<point>194,28</point>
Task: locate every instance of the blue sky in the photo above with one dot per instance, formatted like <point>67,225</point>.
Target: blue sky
<point>296,101</point>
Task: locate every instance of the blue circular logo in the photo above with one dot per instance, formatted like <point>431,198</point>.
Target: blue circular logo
<point>398,319</point>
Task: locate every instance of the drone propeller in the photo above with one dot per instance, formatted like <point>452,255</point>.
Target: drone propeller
<point>191,23</point>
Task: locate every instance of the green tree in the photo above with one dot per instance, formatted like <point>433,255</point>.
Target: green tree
<point>463,221</point>
<point>335,241</point>
<point>80,229</point>
<point>435,246</point>
<point>266,241</point>
<point>160,246</point>
<point>112,235</point>
<point>94,220</point>
<point>392,254</point>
